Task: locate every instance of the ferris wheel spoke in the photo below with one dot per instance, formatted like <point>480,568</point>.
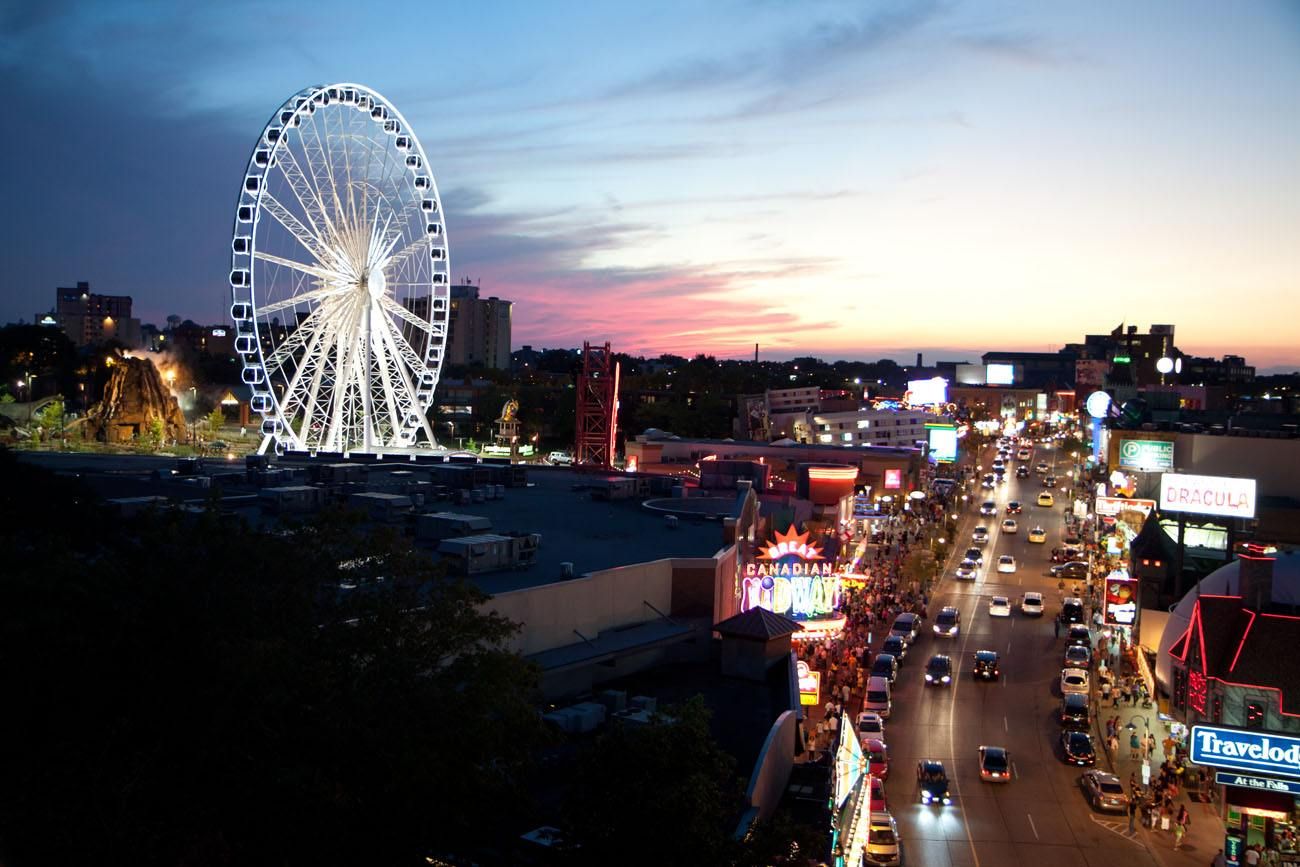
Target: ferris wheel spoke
<point>402,313</point>
<point>314,244</point>
<point>304,190</point>
<point>395,345</point>
<point>330,277</point>
<point>318,294</point>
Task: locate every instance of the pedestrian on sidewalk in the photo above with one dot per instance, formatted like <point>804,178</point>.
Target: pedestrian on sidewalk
<point>1179,831</point>
<point>1133,745</point>
<point>1056,625</point>
<point>1132,812</point>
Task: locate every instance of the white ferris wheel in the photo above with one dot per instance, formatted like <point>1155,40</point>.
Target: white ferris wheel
<point>339,276</point>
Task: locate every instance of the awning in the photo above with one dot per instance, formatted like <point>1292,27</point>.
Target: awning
<point>1248,800</point>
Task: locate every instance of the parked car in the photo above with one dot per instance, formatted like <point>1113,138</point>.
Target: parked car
<point>1074,680</point>
<point>871,725</point>
<point>1075,569</point>
<point>1075,712</point>
<point>1104,791</point>
<point>882,840</point>
<point>1077,749</point>
<point>1078,656</point>
<point>906,626</point>
<point>877,756</point>
<point>884,665</point>
<point>896,647</point>
<point>560,459</point>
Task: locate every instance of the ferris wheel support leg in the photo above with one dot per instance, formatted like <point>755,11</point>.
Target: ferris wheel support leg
<point>266,441</point>
<point>428,431</point>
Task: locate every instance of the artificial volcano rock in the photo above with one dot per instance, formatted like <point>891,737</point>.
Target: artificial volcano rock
<point>133,398</point>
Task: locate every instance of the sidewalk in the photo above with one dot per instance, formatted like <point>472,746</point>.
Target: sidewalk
<point>1204,837</point>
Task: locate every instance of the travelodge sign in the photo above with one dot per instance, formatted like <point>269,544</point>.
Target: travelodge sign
<point>1241,750</point>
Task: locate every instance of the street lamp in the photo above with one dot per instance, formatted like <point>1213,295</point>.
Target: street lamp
<point>1146,756</point>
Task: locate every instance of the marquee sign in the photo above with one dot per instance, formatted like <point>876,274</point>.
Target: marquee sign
<point>1264,784</point>
<point>790,577</point>
<point>1250,751</point>
<point>1207,495</point>
<point>1111,506</point>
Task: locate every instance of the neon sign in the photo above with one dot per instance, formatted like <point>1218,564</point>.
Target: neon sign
<point>790,577</point>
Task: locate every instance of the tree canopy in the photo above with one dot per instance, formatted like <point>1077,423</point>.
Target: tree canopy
<point>181,689</point>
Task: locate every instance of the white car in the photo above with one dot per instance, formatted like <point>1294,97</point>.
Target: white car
<point>1006,563</point>
<point>980,536</point>
<point>560,459</point>
<point>1010,526</point>
<point>871,725</point>
<point>969,570</point>
<point>1074,680</point>
<point>882,841</point>
<point>1031,604</point>
<point>999,606</point>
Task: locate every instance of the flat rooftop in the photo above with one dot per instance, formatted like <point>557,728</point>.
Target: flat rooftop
<point>591,534</point>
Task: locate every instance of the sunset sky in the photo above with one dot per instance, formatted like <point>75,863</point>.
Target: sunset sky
<point>850,180</point>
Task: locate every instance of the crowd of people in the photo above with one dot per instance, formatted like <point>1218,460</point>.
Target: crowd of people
<point>844,660</point>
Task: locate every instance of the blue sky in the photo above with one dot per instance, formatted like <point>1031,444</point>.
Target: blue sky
<point>845,179</point>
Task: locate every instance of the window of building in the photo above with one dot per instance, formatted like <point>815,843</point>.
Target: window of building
<point>1180,689</point>
<point>1254,714</point>
<point>863,424</point>
<point>847,437</point>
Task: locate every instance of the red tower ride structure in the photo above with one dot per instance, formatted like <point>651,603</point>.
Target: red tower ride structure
<point>597,420</point>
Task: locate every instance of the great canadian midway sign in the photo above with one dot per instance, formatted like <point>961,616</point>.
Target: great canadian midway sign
<point>1250,751</point>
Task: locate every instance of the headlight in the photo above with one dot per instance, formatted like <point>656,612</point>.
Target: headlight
<point>936,627</point>
<point>946,678</point>
<point>947,800</point>
<point>928,678</point>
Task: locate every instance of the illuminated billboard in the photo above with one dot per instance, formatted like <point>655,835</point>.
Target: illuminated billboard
<point>1111,506</point>
<point>1207,495</point>
<point>999,374</point>
<point>943,443</point>
<point>1146,455</point>
<point>893,480</point>
<point>1121,598</point>
<point>791,577</point>
<point>927,392</point>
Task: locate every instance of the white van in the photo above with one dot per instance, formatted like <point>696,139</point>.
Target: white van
<point>878,698</point>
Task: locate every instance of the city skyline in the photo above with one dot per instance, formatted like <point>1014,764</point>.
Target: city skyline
<point>824,183</point>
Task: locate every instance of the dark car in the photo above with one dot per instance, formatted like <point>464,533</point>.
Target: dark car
<point>1014,507</point>
<point>1076,569</point>
<point>1022,472</point>
<point>1075,712</point>
<point>885,665</point>
<point>896,647</point>
<point>975,554</point>
<point>938,671</point>
<point>1104,791</point>
<point>932,780</point>
<point>1076,748</point>
<point>1078,634</point>
<point>1072,611</point>
<point>986,665</point>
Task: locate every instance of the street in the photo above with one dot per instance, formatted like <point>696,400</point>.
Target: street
<point>1041,816</point>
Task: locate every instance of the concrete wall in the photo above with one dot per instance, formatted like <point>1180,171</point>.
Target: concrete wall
<point>1273,463</point>
<point>590,604</point>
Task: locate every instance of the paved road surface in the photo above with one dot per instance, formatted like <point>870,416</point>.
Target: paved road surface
<point>1041,816</point>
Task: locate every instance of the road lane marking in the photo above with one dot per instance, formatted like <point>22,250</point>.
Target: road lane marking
<point>952,742</point>
<point>1031,826</point>
<point>1004,725</point>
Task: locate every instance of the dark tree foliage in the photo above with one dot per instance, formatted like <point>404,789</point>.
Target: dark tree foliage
<point>664,793</point>
<point>184,690</point>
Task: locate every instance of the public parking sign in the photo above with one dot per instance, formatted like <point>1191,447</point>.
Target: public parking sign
<point>1146,455</point>
<point>1250,751</point>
